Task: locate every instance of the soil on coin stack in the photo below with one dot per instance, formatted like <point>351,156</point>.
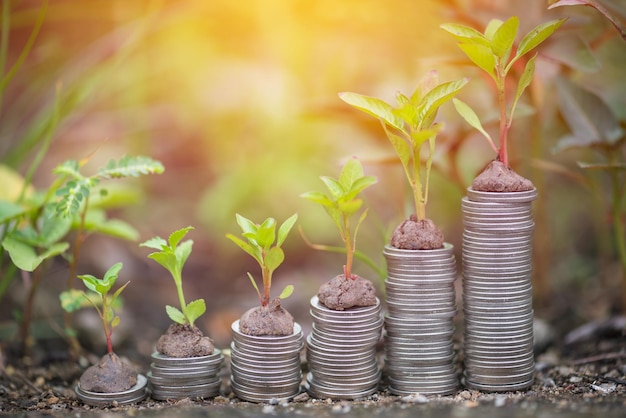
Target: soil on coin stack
<point>108,376</point>
<point>340,293</point>
<point>496,177</point>
<point>184,341</point>
<point>412,234</point>
<point>272,319</point>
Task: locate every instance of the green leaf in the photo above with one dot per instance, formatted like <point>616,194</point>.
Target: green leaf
<point>351,207</point>
<point>465,34</point>
<point>402,148</point>
<point>481,56</point>
<point>165,259</point>
<point>266,234</point>
<point>176,236</point>
<point>374,107</point>
<point>335,188</point>
<point>535,37</point>
<point>438,96</point>
<point>428,82</point>
<point>96,221</point>
<point>361,184</point>
<point>10,211</point>
<point>118,292</point>
<point>175,314</point>
<point>94,284</point>
<point>274,257</point>
<point>524,81</point>
<point>254,285</point>
<point>156,243</point>
<point>504,37</point>
<point>470,117</point>
<point>69,168</point>
<point>72,300</point>
<point>115,322</point>
<point>131,167</point>
<point>246,225</point>
<point>52,228</point>
<point>113,272</point>
<point>351,171</point>
<point>247,247</point>
<point>284,229</point>
<point>287,291</point>
<point>492,27</point>
<point>25,256</point>
<point>318,197</point>
<point>195,309</point>
<point>182,253</point>
<point>587,115</point>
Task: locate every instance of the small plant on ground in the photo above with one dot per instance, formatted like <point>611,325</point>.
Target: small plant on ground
<point>493,52</point>
<point>264,245</point>
<point>259,244</point>
<point>342,203</point>
<point>183,338</point>
<point>410,126</point>
<point>105,305</point>
<point>172,255</point>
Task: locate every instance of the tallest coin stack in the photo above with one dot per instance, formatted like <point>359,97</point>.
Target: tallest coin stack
<point>497,290</point>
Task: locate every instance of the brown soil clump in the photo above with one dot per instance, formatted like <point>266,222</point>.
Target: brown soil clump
<point>496,177</point>
<point>184,341</point>
<point>412,234</point>
<point>340,293</point>
<point>111,375</point>
<point>272,319</point>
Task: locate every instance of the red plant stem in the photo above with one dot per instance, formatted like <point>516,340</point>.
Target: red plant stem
<point>28,313</point>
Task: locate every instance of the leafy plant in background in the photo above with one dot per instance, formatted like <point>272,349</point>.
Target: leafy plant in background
<point>492,51</point>
<point>342,203</point>
<point>264,245</point>
<point>36,224</point>
<point>409,126</point>
<point>105,306</point>
<point>172,255</point>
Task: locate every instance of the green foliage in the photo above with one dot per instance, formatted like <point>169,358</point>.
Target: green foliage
<point>172,254</point>
<point>410,125</point>
<point>70,300</point>
<point>492,51</point>
<point>342,203</point>
<point>263,244</point>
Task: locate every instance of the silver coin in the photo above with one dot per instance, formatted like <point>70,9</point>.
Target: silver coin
<point>501,197</point>
<point>502,204</point>
<point>500,388</point>
<point>135,394</point>
<point>443,252</point>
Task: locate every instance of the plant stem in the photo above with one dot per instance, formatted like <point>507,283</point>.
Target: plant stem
<point>420,207</point>
<point>347,269</point>
<point>107,331</point>
<point>267,285</point>
<point>503,154</point>
<point>178,280</point>
<point>28,313</point>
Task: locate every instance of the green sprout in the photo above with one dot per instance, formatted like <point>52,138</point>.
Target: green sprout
<point>173,256</point>
<point>492,51</point>
<point>104,307</point>
<point>411,125</point>
<point>343,203</point>
<point>259,244</point>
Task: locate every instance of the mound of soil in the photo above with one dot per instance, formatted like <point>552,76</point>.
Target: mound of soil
<point>184,341</point>
<point>340,293</point>
<point>110,375</point>
<point>497,177</point>
<point>272,319</point>
<point>412,234</point>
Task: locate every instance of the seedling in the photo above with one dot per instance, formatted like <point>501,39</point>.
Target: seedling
<point>173,256</point>
<point>259,244</point>
<point>104,307</point>
<point>409,126</point>
<point>342,203</point>
<point>492,51</point>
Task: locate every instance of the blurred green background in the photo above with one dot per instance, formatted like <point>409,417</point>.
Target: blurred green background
<point>239,101</point>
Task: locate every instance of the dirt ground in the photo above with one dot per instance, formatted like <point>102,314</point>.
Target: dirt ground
<point>589,371</point>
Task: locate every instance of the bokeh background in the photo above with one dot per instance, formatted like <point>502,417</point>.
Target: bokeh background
<point>239,101</point>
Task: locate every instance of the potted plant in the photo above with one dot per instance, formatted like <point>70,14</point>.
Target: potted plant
<point>345,306</point>
<point>497,240</point>
<point>420,266</point>
<point>185,363</point>
<point>265,353</point>
<point>111,380</point>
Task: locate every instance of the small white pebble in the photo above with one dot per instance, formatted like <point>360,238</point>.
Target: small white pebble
<point>415,398</point>
<point>267,409</point>
<point>575,379</point>
<point>499,402</point>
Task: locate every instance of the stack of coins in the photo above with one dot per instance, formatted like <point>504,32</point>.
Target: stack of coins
<point>341,351</point>
<point>497,269</point>
<point>133,395</point>
<point>265,368</point>
<point>191,377</point>
<point>421,304</point>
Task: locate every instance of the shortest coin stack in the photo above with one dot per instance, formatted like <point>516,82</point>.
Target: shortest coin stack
<point>133,395</point>
<point>341,351</point>
<point>266,367</point>
<point>190,377</point>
